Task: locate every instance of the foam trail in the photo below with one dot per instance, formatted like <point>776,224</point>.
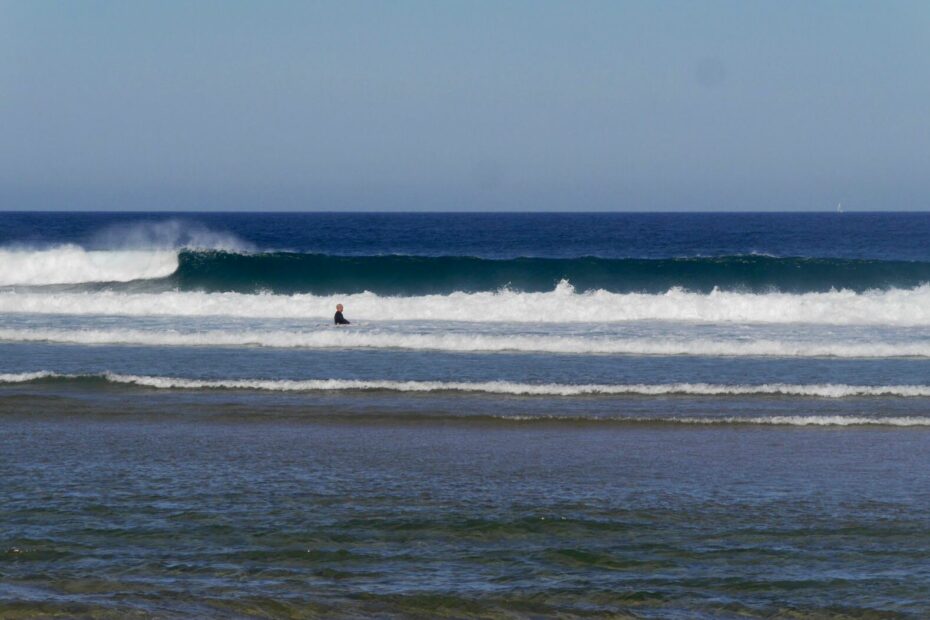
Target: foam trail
<point>526,389</point>
<point>812,420</point>
<point>475,343</point>
<point>904,307</point>
<point>780,420</point>
<point>26,377</point>
<point>71,264</point>
<point>826,390</point>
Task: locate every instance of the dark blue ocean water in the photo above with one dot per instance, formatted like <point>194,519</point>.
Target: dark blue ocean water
<point>882,236</point>
<point>531,415</point>
<point>409,254</point>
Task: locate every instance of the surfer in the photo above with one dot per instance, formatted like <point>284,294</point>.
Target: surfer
<point>340,320</point>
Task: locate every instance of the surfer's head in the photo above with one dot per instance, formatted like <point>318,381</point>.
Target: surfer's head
<point>338,307</point>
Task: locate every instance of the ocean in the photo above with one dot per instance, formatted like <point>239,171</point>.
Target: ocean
<point>707,415</point>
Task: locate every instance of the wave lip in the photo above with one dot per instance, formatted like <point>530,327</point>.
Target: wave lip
<point>826,390</point>
<point>471,343</point>
<point>71,264</point>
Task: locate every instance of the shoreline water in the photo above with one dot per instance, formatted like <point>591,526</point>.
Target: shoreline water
<point>287,516</point>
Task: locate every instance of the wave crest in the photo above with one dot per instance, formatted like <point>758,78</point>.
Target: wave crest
<point>294,272</point>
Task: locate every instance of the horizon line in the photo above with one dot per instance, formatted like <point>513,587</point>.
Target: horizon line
<point>465,212</point>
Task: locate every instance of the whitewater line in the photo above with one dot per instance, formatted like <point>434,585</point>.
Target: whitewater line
<point>826,390</point>
<point>561,305</point>
<point>777,420</point>
<point>470,343</point>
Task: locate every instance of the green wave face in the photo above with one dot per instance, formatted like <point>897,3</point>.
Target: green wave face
<point>285,272</point>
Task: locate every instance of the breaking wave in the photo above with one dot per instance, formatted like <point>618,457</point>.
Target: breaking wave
<point>212,262</point>
<point>71,264</point>
<point>119,253</point>
<point>901,307</point>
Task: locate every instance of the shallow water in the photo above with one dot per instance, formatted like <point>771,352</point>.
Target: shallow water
<point>179,509</point>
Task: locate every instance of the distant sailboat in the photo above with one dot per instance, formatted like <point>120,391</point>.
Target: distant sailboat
<point>839,207</point>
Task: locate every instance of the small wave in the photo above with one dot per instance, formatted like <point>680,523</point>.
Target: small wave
<point>904,307</point>
<point>71,264</point>
<point>492,387</point>
<point>474,343</point>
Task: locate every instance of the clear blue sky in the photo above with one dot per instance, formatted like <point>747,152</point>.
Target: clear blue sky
<point>501,105</point>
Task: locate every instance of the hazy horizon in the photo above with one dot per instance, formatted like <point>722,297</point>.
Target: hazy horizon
<point>468,211</point>
<point>473,107</point>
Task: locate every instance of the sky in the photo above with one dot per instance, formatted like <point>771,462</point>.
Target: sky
<point>472,105</point>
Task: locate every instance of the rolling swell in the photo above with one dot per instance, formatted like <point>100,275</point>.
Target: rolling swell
<point>290,272</point>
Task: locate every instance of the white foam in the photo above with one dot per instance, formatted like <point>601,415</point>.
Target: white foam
<point>562,305</point>
<point>71,264</point>
<point>780,420</point>
<point>25,377</point>
<point>826,390</point>
<point>813,420</point>
<point>527,389</point>
<point>333,338</point>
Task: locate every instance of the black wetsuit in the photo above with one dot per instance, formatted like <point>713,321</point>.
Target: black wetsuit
<point>340,320</point>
